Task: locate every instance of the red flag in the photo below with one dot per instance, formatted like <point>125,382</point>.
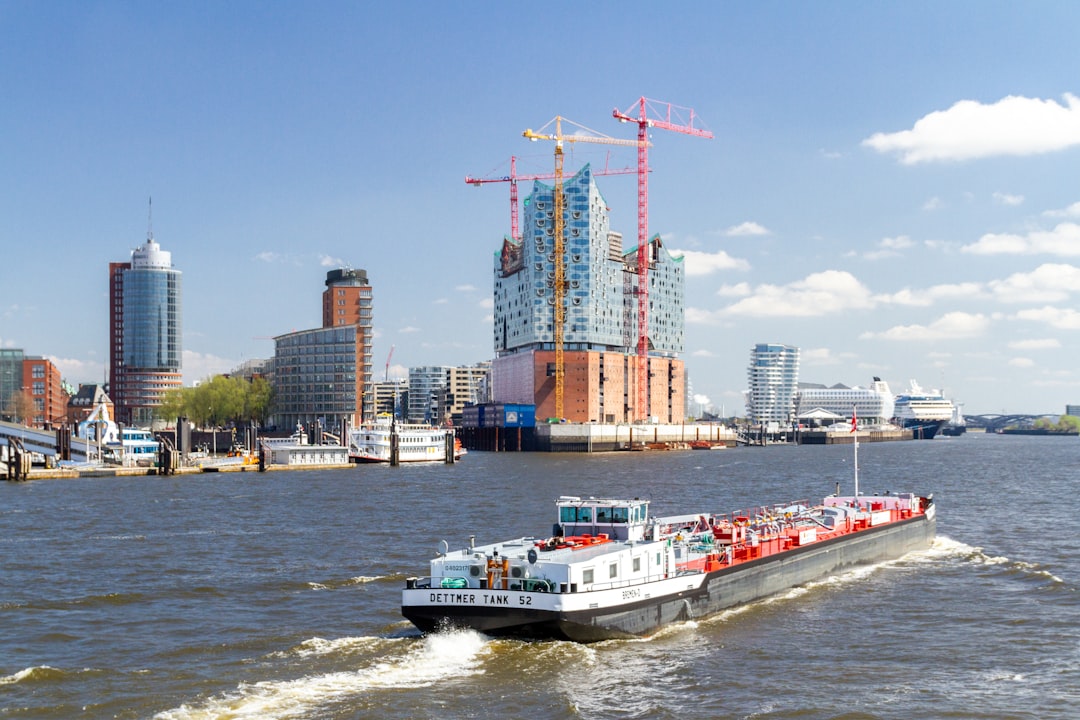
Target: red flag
<point>854,421</point>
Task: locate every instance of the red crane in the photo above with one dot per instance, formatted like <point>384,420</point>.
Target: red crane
<point>665,116</point>
<point>513,178</point>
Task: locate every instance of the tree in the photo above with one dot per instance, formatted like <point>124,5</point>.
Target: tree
<point>20,407</point>
<point>218,401</point>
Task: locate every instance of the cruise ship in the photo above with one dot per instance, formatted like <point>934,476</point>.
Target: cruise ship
<point>922,411</point>
<point>873,405</point>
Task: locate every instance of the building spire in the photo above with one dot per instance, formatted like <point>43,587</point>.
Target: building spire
<point>150,222</point>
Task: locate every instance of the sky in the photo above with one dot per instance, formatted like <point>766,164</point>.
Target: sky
<point>890,187</point>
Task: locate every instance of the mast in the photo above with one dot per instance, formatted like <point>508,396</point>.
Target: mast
<point>854,430</point>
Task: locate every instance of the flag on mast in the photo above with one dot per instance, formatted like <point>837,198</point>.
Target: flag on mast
<point>854,420</point>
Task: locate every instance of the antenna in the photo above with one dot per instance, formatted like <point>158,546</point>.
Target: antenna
<point>150,221</point>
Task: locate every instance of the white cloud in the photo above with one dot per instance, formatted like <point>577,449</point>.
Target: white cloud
<point>738,290</point>
<point>817,294</point>
<point>928,296</point>
<point>487,303</point>
<point>408,329</point>
<point>702,353</point>
<point>700,399</point>
<point>465,288</point>
<point>817,357</point>
<point>1047,283</point>
<point>970,129</point>
<point>934,203</point>
<point>1071,211</point>
<point>1005,199</point>
<point>1037,344</point>
<point>268,256</point>
<point>951,326</point>
<point>889,247</point>
<point>1063,240</point>
<point>1061,318</point>
<point>440,301</point>
<point>76,371</point>
<point>200,366</point>
<point>705,263</point>
<point>1022,362</point>
<point>746,229</point>
<point>327,261</point>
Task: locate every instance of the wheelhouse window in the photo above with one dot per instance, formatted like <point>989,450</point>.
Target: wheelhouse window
<point>587,577</point>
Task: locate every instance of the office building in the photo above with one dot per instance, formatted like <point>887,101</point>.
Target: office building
<point>324,374</point>
<point>601,319</point>
<point>144,332</point>
<point>773,378</point>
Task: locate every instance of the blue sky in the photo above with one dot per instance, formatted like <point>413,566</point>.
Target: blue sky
<point>891,186</point>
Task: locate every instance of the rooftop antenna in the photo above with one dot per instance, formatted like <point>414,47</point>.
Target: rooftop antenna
<point>150,222</point>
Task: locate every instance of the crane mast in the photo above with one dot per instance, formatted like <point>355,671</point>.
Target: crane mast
<point>559,282</point>
<point>650,113</point>
<point>513,179</point>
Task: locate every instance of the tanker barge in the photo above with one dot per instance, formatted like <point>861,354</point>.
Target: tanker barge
<point>610,570</point>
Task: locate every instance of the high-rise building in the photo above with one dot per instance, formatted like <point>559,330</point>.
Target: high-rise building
<point>325,374</point>
<point>773,377</point>
<point>145,353</point>
<point>600,331</point>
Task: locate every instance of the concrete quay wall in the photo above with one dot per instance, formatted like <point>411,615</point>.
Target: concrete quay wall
<point>601,437</point>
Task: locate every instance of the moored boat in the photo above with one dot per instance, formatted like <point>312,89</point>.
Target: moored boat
<point>375,442</point>
<point>610,570</point>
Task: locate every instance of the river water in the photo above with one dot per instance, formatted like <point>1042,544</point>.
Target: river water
<point>277,595</point>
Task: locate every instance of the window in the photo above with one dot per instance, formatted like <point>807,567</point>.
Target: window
<point>637,564</point>
<point>613,571</point>
<point>587,577</point>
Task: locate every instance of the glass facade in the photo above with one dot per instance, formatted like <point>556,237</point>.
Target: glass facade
<point>145,340</point>
<point>601,303</point>
<point>315,376</point>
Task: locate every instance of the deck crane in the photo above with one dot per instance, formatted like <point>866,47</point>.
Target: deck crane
<point>582,134</point>
<point>650,114</point>
<point>513,178</point>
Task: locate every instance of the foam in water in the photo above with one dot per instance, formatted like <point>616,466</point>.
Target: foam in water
<point>434,658</point>
<point>33,674</point>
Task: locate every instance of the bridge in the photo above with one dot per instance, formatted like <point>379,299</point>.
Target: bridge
<point>38,441</point>
<point>994,422</point>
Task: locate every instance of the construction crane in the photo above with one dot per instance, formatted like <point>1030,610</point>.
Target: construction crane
<point>582,134</point>
<point>386,375</point>
<point>513,178</point>
<point>665,116</point>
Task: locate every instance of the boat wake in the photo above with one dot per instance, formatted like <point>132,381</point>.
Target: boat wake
<point>423,663</point>
<point>947,549</point>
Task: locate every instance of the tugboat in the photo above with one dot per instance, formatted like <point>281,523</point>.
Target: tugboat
<point>610,570</point>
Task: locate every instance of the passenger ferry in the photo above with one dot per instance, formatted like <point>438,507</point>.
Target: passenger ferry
<point>136,448</point>
<point>372,443</point>
<point>611,570</point>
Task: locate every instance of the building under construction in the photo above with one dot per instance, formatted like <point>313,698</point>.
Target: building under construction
<point>600,337</point>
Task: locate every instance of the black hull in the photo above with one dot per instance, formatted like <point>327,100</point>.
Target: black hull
<point>923,429</point>
<point>720,590</point>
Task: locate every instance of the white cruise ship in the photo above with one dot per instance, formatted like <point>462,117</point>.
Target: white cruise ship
<point>873,405</point>
<point>922,411</point>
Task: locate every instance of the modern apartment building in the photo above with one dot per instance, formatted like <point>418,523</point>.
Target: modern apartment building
<point>601,320</point>
<point>145,352</point>
<point>325,374</point>
<point>773,378</point>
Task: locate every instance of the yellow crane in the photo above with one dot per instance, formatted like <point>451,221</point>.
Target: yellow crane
<point>580,134</point>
